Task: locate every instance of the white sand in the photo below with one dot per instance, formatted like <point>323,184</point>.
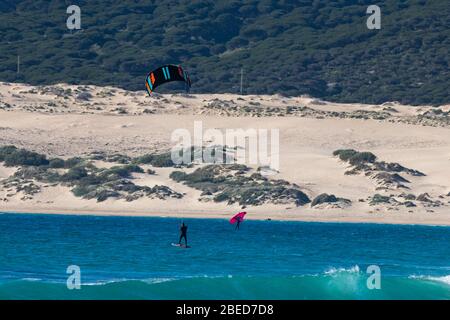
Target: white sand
<point>306,144</point>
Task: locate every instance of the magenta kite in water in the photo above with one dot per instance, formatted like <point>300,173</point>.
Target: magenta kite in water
<point>239,216</point>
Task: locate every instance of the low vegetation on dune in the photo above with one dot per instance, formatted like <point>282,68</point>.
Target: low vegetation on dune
<point>235,183</point>
<point>354,157</point>
<point>13,156</point>
<point>81,175</point>
<point>325,199</point>
<point>156,160</point>
<point>387,174</point>
<point>389,177</point>
<point>102,176</point>
<point>407,200</point>
<point>164,159</point>
<point>218,182</point>
<point>256,109</point>
<point>54,100</point>
<point>433,117</point>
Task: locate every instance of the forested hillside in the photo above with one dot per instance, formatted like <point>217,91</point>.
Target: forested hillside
<point>320,47</point>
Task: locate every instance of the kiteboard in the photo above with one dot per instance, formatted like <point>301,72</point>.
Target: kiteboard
<point>180,245</point>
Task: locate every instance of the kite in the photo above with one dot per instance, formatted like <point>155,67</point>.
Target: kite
<point>239,216</point>
<point>164,74</point>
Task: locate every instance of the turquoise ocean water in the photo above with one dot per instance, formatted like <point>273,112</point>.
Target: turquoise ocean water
<point>132,258</point>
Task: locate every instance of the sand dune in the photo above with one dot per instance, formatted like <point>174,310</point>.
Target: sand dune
<point>64,123</point>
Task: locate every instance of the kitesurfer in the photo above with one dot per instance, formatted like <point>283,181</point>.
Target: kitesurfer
<point>238,222</point>
<point>183,233</point>
<point>238,218</point>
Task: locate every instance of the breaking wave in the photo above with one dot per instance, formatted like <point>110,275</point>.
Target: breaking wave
<point>335,283</point>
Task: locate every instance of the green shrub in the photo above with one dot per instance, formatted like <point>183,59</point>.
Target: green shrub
<point>103,195</point>
<point>145,159</point>
<point>6,150</point>
<point>178,176</point>
<point>362,157</point>
<point>354,157</point>
<point>205,174</point>
<point>56,163</point>
<point>23,157</point>
<point>323,198</point>
<point>121,171</point>
<point>134,168</point>
<point>90,180</point>
<point>345,154</point>
<point>81,191</point>
<point>72,162</point>
<point>119,158</point>
<point>123,185</point>
<point>97,155</point>
<point>223,196</point>
<point>300,197</point>
<point>162,160</point>
<point>74,174</point>
<point>378,199</point>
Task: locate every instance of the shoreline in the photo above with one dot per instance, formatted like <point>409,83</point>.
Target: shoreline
<point>259,217</point>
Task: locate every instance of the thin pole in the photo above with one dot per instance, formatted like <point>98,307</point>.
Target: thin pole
<point>242,79</point>
<point>18,64</point>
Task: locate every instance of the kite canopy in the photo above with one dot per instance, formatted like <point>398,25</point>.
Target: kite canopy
<point>167,73</point>
<point>239,216</point>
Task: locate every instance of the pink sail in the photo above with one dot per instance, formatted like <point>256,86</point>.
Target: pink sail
<point>240,216</point>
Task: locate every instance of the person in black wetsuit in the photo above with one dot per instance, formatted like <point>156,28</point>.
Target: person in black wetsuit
<point>238,222</point>
<point>183,233</point>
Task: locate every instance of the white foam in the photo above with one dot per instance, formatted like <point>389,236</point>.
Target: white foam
<point>443,279</point>
<point>103,282</point>
<point>31,279</point>
<point>158,280</point>
<point>354,269</point>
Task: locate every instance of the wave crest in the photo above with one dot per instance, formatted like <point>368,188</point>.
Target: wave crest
<point>332,271</point>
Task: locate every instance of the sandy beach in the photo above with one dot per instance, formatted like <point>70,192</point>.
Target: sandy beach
<point>59,123</point>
